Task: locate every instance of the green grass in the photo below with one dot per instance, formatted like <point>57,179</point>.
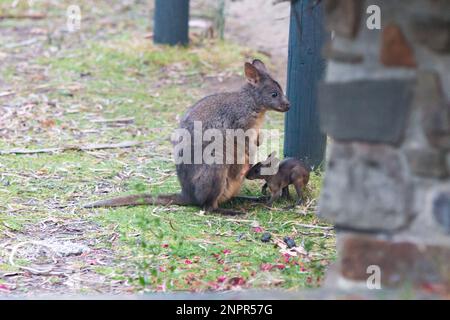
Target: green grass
<point>179,249</point>
<point>158,248</point>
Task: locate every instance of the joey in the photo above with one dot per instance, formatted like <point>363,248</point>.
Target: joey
<point>289,171</point>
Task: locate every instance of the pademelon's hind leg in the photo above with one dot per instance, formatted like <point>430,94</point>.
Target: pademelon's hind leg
<point>209,190</point>
<point>213,207</point>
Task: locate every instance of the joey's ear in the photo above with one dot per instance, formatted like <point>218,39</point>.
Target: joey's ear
<point>270,157</point>
<point>252,74</point>
<point>275,161</point>
<point>259,65</point>
<point>271,165</point>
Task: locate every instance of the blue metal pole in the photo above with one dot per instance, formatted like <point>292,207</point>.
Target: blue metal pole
<point>171,22</point>
<point>306,66</point>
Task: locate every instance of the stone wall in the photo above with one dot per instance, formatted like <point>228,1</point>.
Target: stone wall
<point>385,104</point>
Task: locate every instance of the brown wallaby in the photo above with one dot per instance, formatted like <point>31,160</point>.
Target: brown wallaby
<point>290,171</point>
<point>208,185</point>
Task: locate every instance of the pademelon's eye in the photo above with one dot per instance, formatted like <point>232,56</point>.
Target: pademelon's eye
<point>274,94</point>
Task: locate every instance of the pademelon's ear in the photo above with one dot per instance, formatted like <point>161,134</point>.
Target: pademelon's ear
<point>259,65</point>
<point>252,74</point>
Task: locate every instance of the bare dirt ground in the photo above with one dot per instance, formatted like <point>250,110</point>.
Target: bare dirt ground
<point>258,24</point>
<point>261,25</point>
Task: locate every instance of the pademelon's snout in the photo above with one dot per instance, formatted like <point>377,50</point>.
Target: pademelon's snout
<point>284,106</point>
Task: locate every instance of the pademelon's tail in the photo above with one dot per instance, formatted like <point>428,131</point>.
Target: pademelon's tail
<point>140,199</point>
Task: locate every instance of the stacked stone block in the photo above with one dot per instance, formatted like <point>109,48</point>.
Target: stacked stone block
<point>385,105</point>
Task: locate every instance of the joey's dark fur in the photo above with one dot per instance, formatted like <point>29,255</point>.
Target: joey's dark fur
<point>208,185</point>
<point>290,171</point>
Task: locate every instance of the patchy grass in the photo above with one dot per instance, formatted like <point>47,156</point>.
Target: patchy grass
<point>59,94</point>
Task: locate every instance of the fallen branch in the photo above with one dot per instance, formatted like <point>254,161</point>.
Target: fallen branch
<point>10,274</point>
<point>88,147</point>
<point>313,226</point>
<point>33,16</point>
<point>118,120</point>
<point>24,43</point>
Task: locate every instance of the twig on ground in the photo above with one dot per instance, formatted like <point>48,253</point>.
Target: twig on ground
<point>33,16</point>
<point>6,93</point>
<point>10,274</point>
<point>315,234</point>
<point>100,146</point>
<point>117,120</point>
<point>25,43</point>
<point>307,207</point>
<point>313,226</point>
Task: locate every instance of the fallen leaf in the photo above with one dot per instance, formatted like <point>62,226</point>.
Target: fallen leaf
<point>236,281</point>
<point>4,287</point>
<point>258,229</point>
<point>266,267</point>
<point>47,123</point>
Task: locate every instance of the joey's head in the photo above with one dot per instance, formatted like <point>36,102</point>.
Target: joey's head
<point>254,172</point>
<point>264,169</point>
<point>265,89</point>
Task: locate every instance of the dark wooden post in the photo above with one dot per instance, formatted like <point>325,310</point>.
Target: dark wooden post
<point>303,138</point>
<point>171,22</point>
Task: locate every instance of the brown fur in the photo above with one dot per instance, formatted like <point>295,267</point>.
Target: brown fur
<point>290,171</point>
